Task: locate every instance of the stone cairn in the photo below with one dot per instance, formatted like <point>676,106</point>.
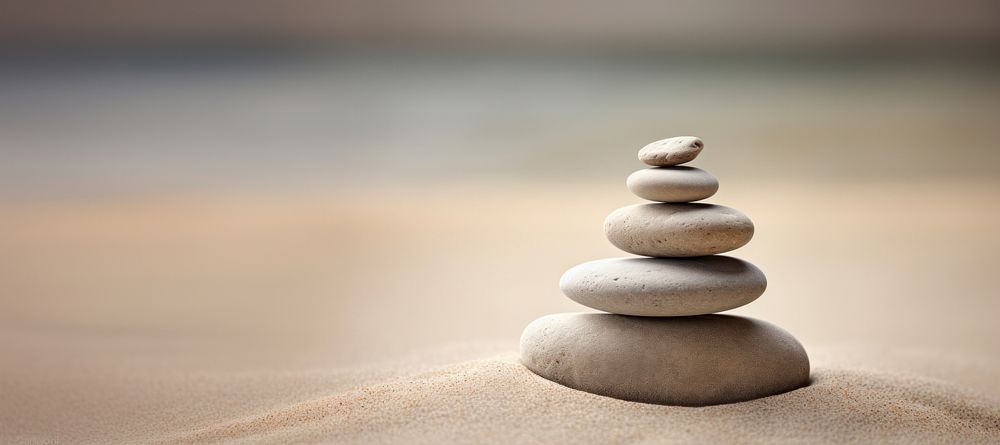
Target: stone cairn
<point>661,341</point>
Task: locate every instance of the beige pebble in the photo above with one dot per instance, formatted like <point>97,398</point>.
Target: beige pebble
<point>672,184</point>
<point>671,151</point>
<point>663,287</point>
<point>677,230</point>
<point>692,361</point>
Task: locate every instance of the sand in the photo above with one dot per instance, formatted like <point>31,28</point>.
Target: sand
<point>265,318</point>
<point>496,400</point>
<point>92,390</point>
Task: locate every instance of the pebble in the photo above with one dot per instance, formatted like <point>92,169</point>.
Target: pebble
<point>691,361</point>
<point>672,184</point>
<point>677,230</point>
<point>664,287</point>
<point>671,151</point>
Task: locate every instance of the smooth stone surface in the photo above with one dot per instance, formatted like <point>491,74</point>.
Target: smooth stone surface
<point>671,151</point>
<point>693,361</point>
<point>664,287</point>
<point>677,230</point>
<point>672,184</point>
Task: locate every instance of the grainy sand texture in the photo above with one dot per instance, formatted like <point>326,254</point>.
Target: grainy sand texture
<point>496,400</point>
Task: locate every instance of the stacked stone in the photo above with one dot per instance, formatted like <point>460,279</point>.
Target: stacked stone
<point>661,342</point>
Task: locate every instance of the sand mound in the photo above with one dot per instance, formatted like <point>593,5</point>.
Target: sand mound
<point>497,400</point>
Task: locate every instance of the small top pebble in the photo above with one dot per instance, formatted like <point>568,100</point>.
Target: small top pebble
<point>671,151</point>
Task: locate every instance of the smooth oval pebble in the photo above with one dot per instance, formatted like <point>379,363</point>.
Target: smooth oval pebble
<point>692,361</point>
<point>677,230</point>
<point>664,287</point>
<point>672,184</point>
<point>671,151</point>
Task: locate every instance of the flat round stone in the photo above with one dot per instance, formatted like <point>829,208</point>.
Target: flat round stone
<point>672,184</point>
<point>677,230</point>
<point>671,151</point>
<point>664,287</point>
<point>692,361</point>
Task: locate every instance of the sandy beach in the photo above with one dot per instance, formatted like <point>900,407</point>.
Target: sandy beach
<point>219,318</point>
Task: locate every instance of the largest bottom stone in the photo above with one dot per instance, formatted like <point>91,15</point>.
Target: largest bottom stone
<point>692,361</point>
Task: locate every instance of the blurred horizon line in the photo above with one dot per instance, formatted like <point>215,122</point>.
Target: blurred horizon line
<point>223,53</point>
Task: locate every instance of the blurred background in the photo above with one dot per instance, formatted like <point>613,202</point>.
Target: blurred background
<point>257,183</point>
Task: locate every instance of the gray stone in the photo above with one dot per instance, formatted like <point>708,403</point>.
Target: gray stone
<point>671,151</point>
<point>664,287</point>
<point>677,230</point>
<point>692,361</point>
<point>672,184</point>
